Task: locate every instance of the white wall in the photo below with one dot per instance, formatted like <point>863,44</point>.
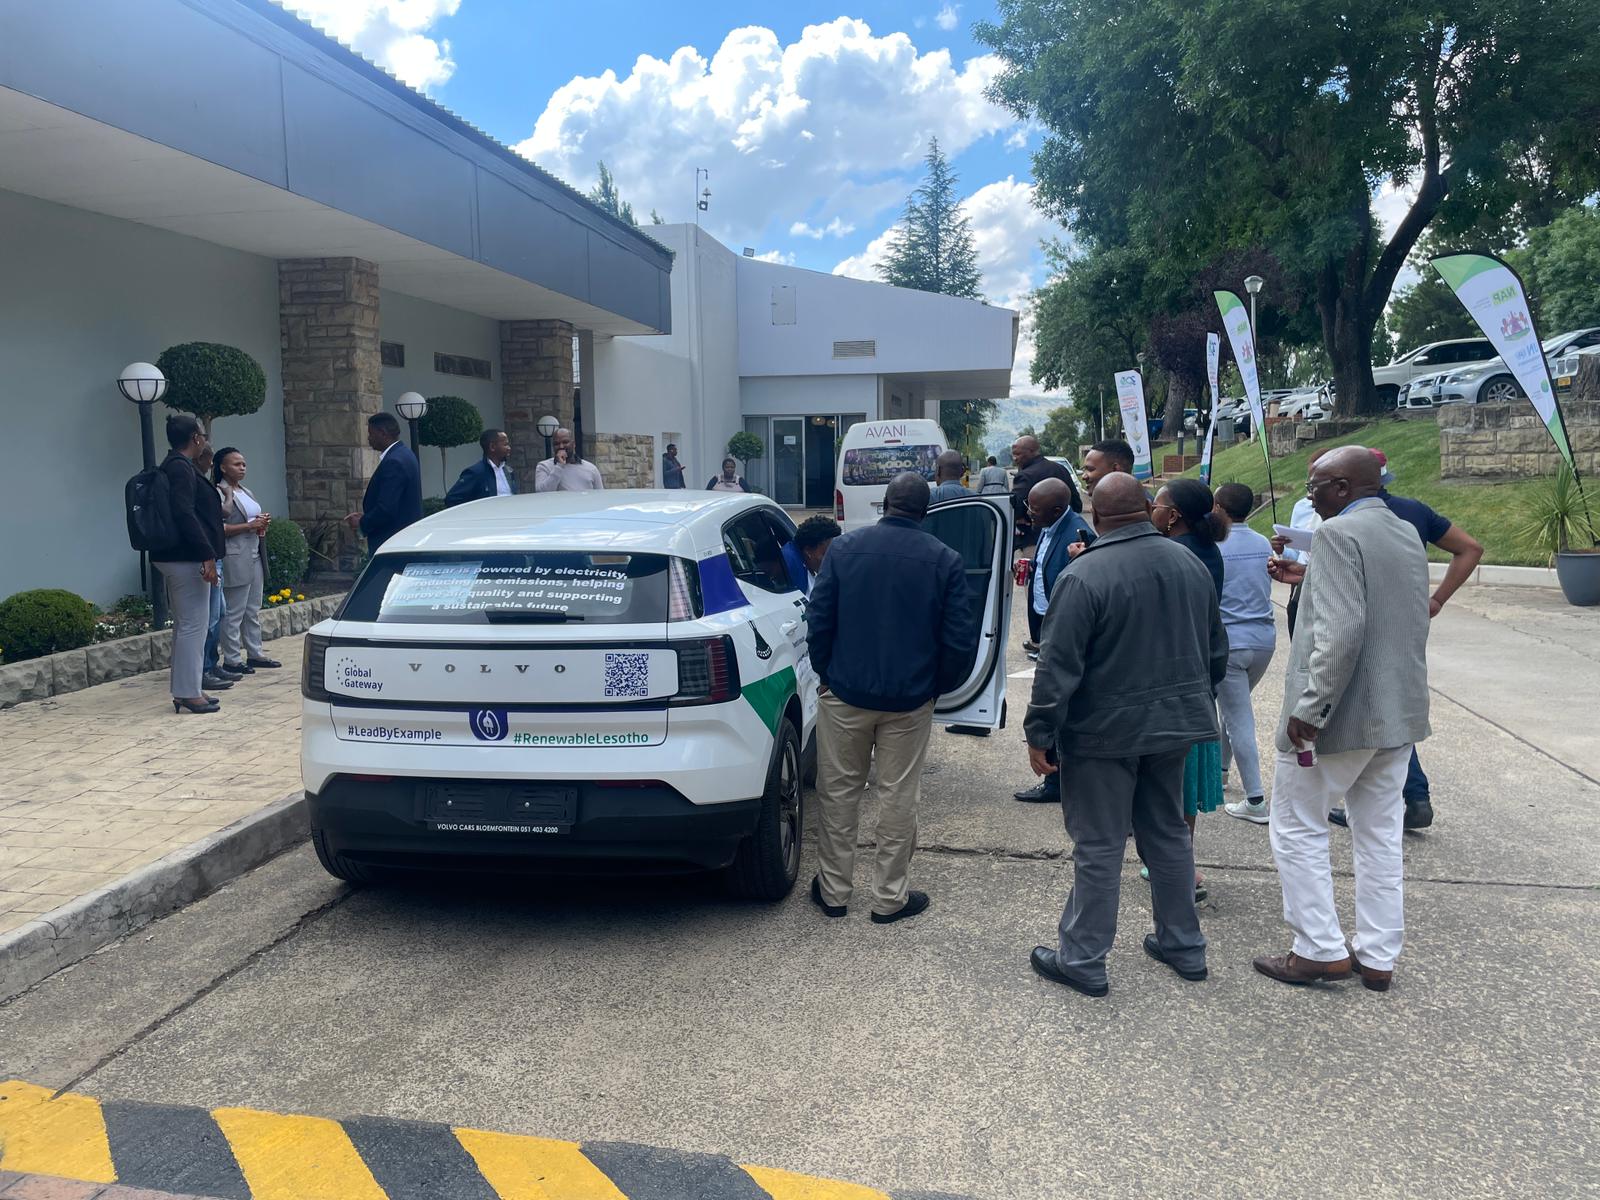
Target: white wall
<point>81,296</point>
<point>424,327</point>
<point>802,395</point>
<point>916,332</point>
<point>685,382</point>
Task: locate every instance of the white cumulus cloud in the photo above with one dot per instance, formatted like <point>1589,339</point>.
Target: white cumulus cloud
<point>392,33</point>
<point>946,19</point>
<point>834,228</point>
<point>785,130</point>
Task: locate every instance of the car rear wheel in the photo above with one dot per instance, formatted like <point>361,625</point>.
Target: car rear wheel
<point>1389,396</point>
<point>338,865</point>
<point>769,859</point>
<point>1502,389</point>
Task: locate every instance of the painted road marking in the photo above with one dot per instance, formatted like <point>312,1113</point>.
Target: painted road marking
<point>245,1154</point>
<point>1028,674</point>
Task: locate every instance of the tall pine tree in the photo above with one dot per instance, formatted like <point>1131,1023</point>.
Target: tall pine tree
<point>605,194</point>
<point>933,250</point>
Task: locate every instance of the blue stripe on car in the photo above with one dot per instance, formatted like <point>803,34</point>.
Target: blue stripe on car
<point>719,590</point>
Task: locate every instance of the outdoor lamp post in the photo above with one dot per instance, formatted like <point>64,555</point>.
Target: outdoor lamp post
<point>143,384</point>
<point>548,425</point>
<point>413,407</point>
<point>1253,284</point>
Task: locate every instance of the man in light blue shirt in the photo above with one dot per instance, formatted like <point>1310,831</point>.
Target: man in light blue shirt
<point>947,478</point>
<point>1252,636</point>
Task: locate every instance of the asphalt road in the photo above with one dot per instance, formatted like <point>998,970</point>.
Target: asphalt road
<point>926,1054</point>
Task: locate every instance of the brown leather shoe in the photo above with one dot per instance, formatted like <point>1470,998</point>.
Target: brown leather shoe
<point>1372,979</point>
<point>1291,968</point>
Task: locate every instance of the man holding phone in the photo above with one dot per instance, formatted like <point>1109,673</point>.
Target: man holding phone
<point>1050,510</point>
<point>565,471</point>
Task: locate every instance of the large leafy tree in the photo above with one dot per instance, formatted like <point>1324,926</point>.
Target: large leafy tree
<point>1561,266</point>
<point>1428,311</point>
<point>1181,127</point>
<point>932,250</point>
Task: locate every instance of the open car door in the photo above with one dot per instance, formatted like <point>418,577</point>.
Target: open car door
<point>979,529</point>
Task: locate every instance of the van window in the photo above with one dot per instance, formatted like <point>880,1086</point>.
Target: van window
<point>755,553</point>
<point>513,588</point>
<point>875,466</point>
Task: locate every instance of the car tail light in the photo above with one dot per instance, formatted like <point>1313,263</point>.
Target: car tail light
<point>838,505</point>
<point>313,668</point>
<point>683,591</point>
<point>708,671</point>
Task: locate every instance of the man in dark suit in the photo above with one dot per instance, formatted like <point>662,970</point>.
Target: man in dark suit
<point>393,498</point>
<point>1059,527</point>
<point>1032,466</point>
<point>489,476</point>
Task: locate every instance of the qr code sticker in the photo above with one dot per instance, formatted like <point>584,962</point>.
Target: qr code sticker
<point>627,675</point>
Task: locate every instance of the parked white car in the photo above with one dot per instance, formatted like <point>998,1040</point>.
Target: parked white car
<point>1421,392</point>
<point>1566,369</point>
<point>1427,360</point>
<point>591,678</point>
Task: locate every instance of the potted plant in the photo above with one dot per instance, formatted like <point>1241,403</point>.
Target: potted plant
<point>1559,526</point>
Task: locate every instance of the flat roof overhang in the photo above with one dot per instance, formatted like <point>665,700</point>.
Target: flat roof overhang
<point>957,385</point>
<point>260,134</point>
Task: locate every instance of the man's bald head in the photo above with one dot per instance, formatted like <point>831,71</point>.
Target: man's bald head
<point>1341,477</point>
<point>1025,449</point>
<point>1047,500</point>
<point>949,465</point>
<point>1119,500</point>
<point>906,496</point>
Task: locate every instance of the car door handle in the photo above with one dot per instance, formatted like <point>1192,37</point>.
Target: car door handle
<point>788,627</point>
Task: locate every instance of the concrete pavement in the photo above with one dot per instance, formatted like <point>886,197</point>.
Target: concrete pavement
<point>926,1055</point>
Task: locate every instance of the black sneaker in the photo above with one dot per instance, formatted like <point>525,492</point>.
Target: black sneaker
<point>1419,813</point>
<point>831,910</point>
<point>916,902</point>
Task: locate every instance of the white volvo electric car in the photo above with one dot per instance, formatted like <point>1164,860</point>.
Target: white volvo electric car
<point>594,679</point>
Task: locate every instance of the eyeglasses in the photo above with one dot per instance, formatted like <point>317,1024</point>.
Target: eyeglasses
<point>1313,485</point>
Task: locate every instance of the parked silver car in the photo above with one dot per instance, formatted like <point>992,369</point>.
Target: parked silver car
<point>1492,382</point>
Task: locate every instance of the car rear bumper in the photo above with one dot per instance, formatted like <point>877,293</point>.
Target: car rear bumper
<point>384,823</point>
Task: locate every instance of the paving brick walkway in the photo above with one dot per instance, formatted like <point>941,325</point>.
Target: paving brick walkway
<point>97,783</point>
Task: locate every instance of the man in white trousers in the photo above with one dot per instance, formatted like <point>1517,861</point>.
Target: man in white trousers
<point>1355,701</point>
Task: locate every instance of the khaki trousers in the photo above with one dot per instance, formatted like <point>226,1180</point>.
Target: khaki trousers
<point>846,740</point>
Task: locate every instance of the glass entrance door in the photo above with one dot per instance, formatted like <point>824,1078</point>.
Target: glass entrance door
<point>820,434</point>
<point>788,461</point>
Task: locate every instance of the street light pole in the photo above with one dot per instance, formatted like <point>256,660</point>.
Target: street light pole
<point>547,425</point>
<point>413,407</point>
<point>144,384</point>
<point>1253,285</point>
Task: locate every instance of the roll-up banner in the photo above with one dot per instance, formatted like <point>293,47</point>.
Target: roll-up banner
<point>1236,320</point>
<point>1213,357</point>
<point>1493,294</point>
<point>1130,398</point>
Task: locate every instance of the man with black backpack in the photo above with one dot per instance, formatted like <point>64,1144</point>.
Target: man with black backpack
<point>188,561</point>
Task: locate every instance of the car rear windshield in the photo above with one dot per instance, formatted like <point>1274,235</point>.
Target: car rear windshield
<point>870,466</point>
<point>521,588</point>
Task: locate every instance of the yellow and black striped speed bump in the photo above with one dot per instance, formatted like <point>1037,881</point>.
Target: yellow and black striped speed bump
<point>244,1154</point>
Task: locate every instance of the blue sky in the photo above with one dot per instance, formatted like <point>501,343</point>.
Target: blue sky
<point>812,117</point>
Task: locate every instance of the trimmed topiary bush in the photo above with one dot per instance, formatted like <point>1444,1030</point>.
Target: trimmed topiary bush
<point>43,621</point>
<point>449,421</point>
<point>746,446</point>
<point>432,504</point>
<point>211,380</point>
<point>288,556</point>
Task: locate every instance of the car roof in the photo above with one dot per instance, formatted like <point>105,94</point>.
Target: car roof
<point>687,524</point>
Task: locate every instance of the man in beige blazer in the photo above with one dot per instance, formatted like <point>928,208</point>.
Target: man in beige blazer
<point>1355,700</point>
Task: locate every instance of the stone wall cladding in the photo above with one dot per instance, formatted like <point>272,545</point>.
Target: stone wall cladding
<point>1286,437</point>
<point>1509,441</point>
<point>332,382</point>
<point>626,460</point>
<point>535,381</point>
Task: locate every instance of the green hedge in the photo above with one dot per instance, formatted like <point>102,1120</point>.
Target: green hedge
<point>43,621</point>
<point>288,556</point>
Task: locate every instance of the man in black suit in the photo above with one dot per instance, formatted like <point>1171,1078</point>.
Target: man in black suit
<point>489,476</point>
<point>393,498</point>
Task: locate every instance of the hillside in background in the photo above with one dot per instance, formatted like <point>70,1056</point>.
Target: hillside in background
<point>1012,414</point>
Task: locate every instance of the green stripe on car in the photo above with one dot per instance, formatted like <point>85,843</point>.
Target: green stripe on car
<point>768,696</point>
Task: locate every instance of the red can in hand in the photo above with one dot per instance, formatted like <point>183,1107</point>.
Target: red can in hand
<point>1024,565</point>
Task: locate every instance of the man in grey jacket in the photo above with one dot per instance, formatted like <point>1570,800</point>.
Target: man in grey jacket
<point>1355,701</point>
<point>1131,652</point>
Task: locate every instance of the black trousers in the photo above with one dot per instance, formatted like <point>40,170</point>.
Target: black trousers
<point>1035,621</point>
<point>1292,609</point>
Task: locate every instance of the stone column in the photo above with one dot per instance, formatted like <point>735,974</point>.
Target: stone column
<point>535,381</point>
<point>332,382</point>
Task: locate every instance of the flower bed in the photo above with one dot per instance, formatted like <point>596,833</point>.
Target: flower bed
<point>120,657</point>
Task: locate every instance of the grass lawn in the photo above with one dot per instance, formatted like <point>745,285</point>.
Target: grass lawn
<point>1490,512</point>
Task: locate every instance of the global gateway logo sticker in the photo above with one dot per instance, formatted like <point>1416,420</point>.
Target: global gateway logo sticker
<point>488,724</point>
<point>355,678</point>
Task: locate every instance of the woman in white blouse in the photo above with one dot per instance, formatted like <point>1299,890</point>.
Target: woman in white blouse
<point>244,570</point>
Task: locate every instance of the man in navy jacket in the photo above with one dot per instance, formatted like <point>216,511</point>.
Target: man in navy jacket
<point>892,625</point>
<point>393,498</point>
<point>489,476</point>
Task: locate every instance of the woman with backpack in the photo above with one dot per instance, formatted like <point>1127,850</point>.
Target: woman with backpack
<point>189,563</point>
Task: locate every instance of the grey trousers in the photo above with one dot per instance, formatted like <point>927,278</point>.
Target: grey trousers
<point>189,598</point>
<point>1101,799</point>
<point>1245,669</point>
<point>243,584</point>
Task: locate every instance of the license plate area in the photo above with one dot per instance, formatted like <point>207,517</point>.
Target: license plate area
<point>489,807</point>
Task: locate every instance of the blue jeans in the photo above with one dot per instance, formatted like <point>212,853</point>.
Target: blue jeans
<point>1416,788</point>
<point>214,624</point>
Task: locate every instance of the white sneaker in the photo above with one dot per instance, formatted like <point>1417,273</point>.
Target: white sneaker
<point>1246,811</point>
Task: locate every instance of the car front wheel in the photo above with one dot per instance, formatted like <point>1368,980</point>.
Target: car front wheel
<point>769,859</point>
<point>1502,389</point>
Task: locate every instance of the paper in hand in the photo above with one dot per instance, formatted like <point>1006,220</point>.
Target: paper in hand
<point>1295,539</point>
